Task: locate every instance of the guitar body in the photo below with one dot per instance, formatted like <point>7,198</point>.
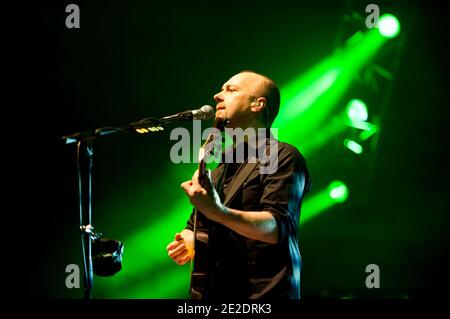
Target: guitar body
<point>200,280</point>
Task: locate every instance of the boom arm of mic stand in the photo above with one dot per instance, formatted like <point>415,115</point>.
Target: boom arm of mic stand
<point>91,135</point>
<point>142,126</point>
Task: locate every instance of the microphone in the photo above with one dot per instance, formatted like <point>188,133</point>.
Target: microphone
<point>147,124</point>
<point>206,112</point>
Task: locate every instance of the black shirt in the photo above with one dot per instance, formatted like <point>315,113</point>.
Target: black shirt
<point>240,267</point>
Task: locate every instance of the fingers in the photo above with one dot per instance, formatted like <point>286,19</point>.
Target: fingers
<point>195,176</point>
<point>176,242</point>
<point>173,245</point>
<point>186,185</point>
<point>176,252</point>
<point>195,181</point>
<point>193,187</point>
<point>184,260</point>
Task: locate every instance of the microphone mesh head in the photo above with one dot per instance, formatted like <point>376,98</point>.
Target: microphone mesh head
<point>207,112</point>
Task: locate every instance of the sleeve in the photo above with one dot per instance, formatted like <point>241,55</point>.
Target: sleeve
<point>284,189</point>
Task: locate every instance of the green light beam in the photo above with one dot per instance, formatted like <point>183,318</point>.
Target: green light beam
<point>309,99</point>
<point>145,247</point>
<point>335,193</point>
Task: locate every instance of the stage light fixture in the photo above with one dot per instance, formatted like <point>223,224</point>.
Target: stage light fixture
<point>389,26</point>
<point>338,191</point>
<point>353,146</point>
<point>357,110</point>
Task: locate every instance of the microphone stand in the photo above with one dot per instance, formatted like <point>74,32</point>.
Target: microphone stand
<point>85,153</point>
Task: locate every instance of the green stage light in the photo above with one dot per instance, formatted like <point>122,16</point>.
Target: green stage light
<point>338,191</point>
<point>353,146</point>
<point>309,100</point>
<point>323,200</point>
<point>368,129</point>
<point>389,26</point>
<point>357,110</point>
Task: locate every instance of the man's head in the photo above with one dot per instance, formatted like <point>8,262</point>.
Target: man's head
<point>248,99</point>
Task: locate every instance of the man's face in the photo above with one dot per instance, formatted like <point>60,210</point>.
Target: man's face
<point>235,100</point>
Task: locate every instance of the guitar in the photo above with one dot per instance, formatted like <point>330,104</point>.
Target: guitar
<point>199,264</point>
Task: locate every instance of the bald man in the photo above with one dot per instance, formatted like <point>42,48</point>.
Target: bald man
<point>249,238</point>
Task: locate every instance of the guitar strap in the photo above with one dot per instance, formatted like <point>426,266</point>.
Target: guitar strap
<point>240,178</point>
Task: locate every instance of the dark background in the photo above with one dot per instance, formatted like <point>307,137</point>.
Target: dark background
<point>137,59</point>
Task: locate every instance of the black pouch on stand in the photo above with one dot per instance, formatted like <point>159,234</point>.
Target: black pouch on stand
<point>106,256</point>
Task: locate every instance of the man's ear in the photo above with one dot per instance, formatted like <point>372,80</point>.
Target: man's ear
<point>258,105</point>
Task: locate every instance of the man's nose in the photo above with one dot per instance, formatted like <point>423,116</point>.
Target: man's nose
<point>218,97</point>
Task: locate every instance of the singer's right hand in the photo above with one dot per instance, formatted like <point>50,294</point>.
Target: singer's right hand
<point>181,250</point>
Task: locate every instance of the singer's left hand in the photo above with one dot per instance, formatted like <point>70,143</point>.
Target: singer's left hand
<point>205,199</point>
